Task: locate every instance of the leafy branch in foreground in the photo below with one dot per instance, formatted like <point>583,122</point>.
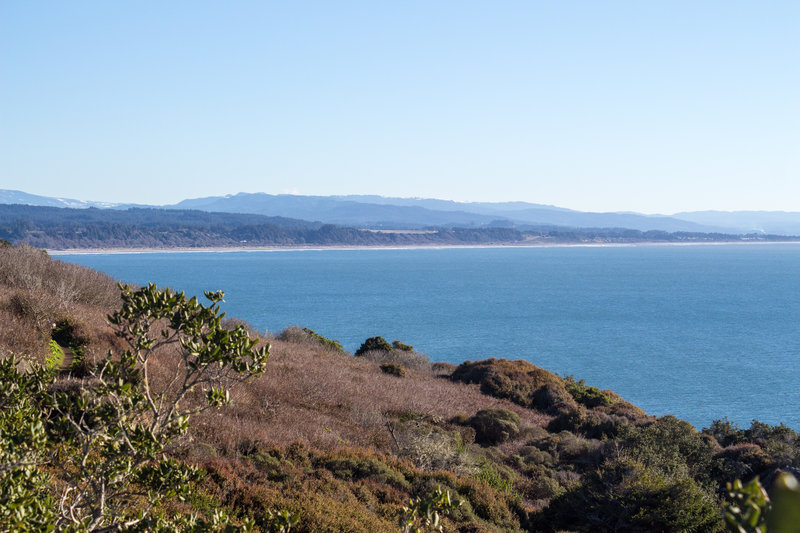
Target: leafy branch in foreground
<point>751,510</point>
<point>111,430</point>
<point>422,513</point>
<point>25,505</point>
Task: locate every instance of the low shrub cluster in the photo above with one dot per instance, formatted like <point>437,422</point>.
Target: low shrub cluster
<point>298,335</point>
<point>373,344</point>
<point>393,369</point>
<point>397,345</point>
<point>494,426</point>
<point>377,350</point>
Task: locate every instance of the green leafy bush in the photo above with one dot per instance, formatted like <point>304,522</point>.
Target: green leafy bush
<point>553,398</point>
<point>670,446</point>
<point>422,514</point>
<point>750,509</point>
<point>393,369</point>
<point>494,426</point>
<point>376,344</point>
<point>25,502</point>
<point>327,343</point>
<point>739,461</point>
<point>625,495</point>
<point>297,335</point>
<point>353,468</point>
<point>592,424</point>
<point>532,455</point>
<point>397,345</point>
<point>587,395</point>
<point>107,435</point>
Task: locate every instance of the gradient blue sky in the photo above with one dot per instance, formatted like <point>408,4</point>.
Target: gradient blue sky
<point>639,105</point>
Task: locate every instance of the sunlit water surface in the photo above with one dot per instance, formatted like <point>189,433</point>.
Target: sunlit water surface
<point>700,332</point>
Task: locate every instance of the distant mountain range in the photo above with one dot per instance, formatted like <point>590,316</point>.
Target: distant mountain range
<point>377,212</point>
<point>23,198</point>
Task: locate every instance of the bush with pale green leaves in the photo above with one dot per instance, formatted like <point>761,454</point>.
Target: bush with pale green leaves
<point>104,439</point>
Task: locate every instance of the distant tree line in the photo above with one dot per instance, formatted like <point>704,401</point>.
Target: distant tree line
<point>59,228</point>
<point>47,227</point>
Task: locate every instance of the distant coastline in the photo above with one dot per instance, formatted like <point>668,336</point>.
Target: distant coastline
<point>290,248</point>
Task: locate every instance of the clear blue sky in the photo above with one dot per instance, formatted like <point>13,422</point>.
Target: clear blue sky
<point>593,105</point>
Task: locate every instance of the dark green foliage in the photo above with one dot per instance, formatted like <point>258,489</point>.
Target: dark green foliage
<point>66,332</point>
<point>532,455</point>
<point>327,343</point>
<point>725,432</point>
<point>280,521</point>
<point>739,461</point>
<point>553,398</point>
<point>397,345</point>
<point>747,507</point>
<point>751,452</point>
<point>25,503</point>
<point>50,227</point>
<point>669,446</point>
<point>393,369</point>
<point>750,509</point>
<point>422,514</point>
<point>353,468</point>
<point>778,439</point>
<point>624,495</point>
<point>376,344</point>
<point>565,448</point>
<point>592,424</point>
<point>586,395</point>
<point>494,426</point>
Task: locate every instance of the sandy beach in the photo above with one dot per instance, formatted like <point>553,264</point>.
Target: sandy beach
<point>108,251</point>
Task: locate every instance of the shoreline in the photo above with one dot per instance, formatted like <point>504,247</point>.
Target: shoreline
<point>294,248</point>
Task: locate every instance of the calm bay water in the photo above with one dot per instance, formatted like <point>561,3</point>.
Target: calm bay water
<point>700,332</point>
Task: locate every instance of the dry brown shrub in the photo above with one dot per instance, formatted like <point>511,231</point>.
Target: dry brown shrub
<point>37,291</point>
<point>30,269</point>
<point>520,381</point>
<point>327,401</point>
<point>410,360</point>
<point>443,369</point>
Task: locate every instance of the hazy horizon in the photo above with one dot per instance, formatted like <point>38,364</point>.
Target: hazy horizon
<point>616,107</point>
<point>466,202</point>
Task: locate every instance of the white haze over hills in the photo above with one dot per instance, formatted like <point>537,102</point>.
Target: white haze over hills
<point>408,213</point>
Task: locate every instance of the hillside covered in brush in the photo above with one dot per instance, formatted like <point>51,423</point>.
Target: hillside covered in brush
<point>333,441</point>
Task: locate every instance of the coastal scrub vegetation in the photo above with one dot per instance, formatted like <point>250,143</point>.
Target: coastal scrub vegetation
<point>185,425</point>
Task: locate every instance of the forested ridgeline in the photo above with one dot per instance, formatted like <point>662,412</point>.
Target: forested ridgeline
<point>66,228</point>
<point>194,422</point>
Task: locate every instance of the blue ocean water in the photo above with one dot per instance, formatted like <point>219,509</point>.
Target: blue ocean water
<point>701,332</point>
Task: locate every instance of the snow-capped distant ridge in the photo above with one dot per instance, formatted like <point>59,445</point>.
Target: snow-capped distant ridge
<point>8,196</point>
